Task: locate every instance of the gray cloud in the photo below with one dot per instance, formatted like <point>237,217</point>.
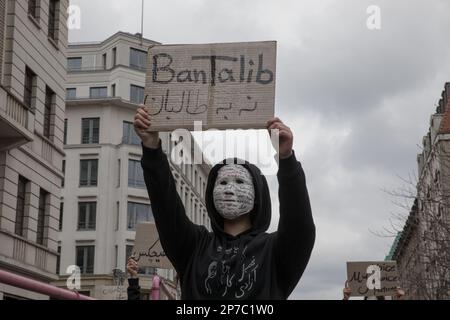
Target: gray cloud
<point>358,101</point>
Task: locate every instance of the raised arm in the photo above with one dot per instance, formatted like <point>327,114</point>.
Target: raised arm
<point>296,231</point>
<point>178,235</point>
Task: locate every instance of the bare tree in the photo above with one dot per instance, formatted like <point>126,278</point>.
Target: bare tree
<point>423,248</point>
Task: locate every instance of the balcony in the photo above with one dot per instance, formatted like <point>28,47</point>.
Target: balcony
<point>16,122</point>
<point>20,254</point>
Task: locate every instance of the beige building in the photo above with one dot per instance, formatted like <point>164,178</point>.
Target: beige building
<point>422,250</point>
<point>104,194</point>
<point>33,44</point>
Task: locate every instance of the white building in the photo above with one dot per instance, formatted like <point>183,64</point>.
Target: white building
<point>104,194</point>
<point>33,44</point>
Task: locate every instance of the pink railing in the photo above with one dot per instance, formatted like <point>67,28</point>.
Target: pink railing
<point>155,287</point>
<point>40,287</point>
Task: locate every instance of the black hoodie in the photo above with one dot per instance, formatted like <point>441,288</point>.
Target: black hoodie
<point>252,265</point>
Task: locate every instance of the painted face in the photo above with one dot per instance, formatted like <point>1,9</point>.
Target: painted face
<point>234,193</point>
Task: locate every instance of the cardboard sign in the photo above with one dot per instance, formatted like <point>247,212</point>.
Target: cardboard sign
<point>112,293</point>
<point>372,278</point>
<point>148,251</point>
<point>225,86</point>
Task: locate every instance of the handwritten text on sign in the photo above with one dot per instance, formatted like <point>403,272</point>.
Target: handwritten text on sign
<point>222,85</point>
<point>372,278</point>
<point>112,293</point>
<point>147,250</point>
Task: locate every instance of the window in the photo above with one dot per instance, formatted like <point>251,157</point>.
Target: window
<point>195,179</point>
<point>33,9</point>
<point>104,57</point>
<point>135,175</point>
<point>65,131</point>
<point>138,59</point>
<point>196,214</point>
<point>71,93</point>
<point>117,216</point>
<point>191,209</point>
<point>129,135</point>
<point>48,112</point>
<point>113,90</point>
<point>116,255</point>
<point>118,172</point>
<point>74,64</point>
<point>30,80</point>
<point>128,253</point>
<point>90,128</point>
<point>138,212</point>
<point>53,21</point>
<point>64,173</point>
<point>20,209</point>
<point>61,215</point>
<point>87,212</point>
<point>136,94</point>
<point>98,92</point>
<point>85,259</point>
<point>58,260</point>
<point>88,173</point>
<point>114,57</point>
<point>43,196</point>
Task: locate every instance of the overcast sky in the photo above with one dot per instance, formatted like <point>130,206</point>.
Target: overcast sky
<point>357,100</point>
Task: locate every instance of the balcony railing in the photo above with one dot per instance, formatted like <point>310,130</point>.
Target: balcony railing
<point>16,110</point>
<point>103,68</point>
<point>16,121</point>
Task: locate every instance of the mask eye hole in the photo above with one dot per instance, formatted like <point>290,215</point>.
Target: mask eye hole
<point>239,181</point>
<point>223,183</point>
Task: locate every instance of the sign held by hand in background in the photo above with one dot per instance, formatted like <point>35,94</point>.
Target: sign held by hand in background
<point>148,251</point>
<point>225,86</point>
<point>372,278</point>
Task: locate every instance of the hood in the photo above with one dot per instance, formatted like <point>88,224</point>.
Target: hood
<point>262,212</point>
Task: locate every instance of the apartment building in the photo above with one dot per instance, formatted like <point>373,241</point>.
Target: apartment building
<point>33,45</point>
<point>104,194</point>
<point>422,249</point>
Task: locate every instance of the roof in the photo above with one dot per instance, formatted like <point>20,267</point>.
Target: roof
<point>110,38</point>
<point>403,237</point>
<point>390,255</point>
<point>444,105</point>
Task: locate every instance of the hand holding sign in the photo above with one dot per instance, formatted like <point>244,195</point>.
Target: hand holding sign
<point>142,122</point>
<point>284,136</point>
<point>132,267</point>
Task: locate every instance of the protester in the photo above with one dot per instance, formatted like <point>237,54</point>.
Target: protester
<point>239,259</point>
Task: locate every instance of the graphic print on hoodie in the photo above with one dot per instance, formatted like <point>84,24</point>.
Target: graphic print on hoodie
<point>251,265</point>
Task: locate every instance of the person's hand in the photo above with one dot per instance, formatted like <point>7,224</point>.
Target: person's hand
<point>285,136</point>
<point>142,121</point>
<point>399,293</point>
<point>347,292</point>
<point>132,267</point>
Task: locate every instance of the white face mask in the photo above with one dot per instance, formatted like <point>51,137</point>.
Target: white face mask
<point>234,193</point>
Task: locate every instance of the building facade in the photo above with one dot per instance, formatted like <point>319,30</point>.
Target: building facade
<point>104,194</point>
<point>33,45</point>
<point>422,251</point>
